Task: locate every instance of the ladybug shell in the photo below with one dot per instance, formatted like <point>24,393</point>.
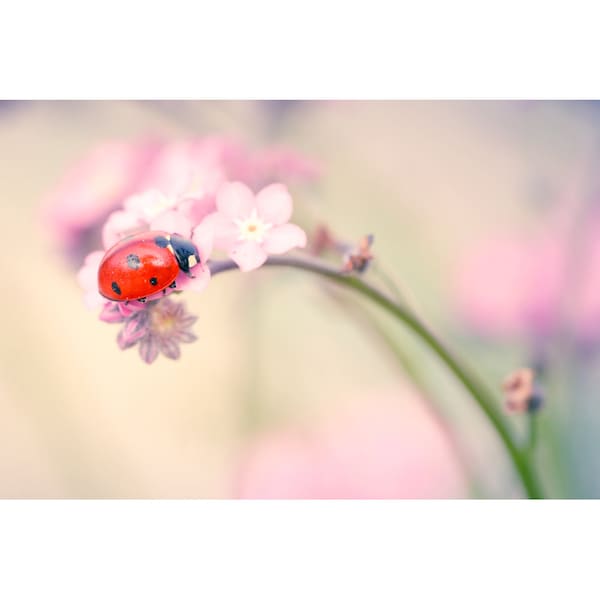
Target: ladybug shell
<point>137,266</point>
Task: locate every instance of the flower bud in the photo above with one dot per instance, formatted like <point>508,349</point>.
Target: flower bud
<point>521,394</point>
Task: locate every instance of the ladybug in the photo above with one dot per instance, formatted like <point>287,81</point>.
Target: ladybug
<point>143,264</point>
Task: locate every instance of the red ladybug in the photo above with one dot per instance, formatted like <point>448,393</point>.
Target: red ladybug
<point>143,264</point>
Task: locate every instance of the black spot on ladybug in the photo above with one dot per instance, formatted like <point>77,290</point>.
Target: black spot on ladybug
<point>173,285</point>
<point>115,288</point>
<point>153,281</point>
<point>133,261</point>
<point>161,241</point>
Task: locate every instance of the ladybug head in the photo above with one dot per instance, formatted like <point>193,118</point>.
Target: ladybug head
<point>185,253</point>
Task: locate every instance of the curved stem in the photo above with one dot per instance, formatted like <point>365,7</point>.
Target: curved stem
<point>531,433</point>
<point>479,393</point>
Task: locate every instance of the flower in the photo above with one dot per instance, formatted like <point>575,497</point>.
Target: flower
<point>159,326</point>
<point>509,286</point>
<point>97,185</point>
<point>250,227</point>
<point>183,190</point>
<point>92,188</point>
<point>151,210</point>
<point>538,287</point>
<point>382,446</point>
<point>88,280</point>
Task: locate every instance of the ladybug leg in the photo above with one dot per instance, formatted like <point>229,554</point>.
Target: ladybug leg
<point>142,300</point>
<point>126,302</point>
<point>173,285</point>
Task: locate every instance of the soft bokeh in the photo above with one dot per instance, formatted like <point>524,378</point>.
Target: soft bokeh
<point>385,445</point>
<point>484,214</point>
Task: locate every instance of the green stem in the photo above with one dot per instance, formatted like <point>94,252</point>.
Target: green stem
<point>532,433</point>
<point>482,397</point>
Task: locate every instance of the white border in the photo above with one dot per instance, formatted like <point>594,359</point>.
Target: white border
<point>314,49</point>
<point>288,549</point>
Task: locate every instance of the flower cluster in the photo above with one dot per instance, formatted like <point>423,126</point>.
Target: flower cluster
<point>214,191</point>
<point>97,185</point>
<point>246,226</point>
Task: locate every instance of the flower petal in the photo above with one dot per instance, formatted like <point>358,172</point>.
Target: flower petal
<point>248,255</point>
<point>111,314</point>
<point>93,299</point>
<point>186,337</point>
<point>170,348</point>
<point>129,308</point>
<point>88,274</point>
<point>198,208</point>
<point>149,349</point>
<point>120,224</point>
<point>172,221</point>
<point>235,200</point>
<point>225,233</point>
<point>88,280</point>
<point>203,237</point>
<point>135,329</point>
<point>149,204</point>
<point>274,204</point>
<point>197,283</point>
<point>283,238</point>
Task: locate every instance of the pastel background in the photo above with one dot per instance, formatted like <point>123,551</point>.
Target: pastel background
<point>485,212</point>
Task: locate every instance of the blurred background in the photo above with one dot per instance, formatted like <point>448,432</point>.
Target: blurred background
<point>485,214</point>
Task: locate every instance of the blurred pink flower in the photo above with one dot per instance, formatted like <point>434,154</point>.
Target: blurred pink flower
<point>87,278</point>
<point>509,286</point>
<point>94,186</point>
<point>386,446</point>
<point>152,210</point>
<point>195,168</point>
<point>271,165</point>
<point>251,227</point>
<point>536,287</point>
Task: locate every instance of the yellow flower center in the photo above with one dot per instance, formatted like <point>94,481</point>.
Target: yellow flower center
<point>162,322</point>
<point>252,229</point>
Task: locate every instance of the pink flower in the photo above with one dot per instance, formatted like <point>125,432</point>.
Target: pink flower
<point>382,446</point>
<point>509,286</point>
<point>191,168</point>
<point>87,278</point>
<point>250,227</point>
<point>151,210</point>
<point>176,193</point>
<point>93,187</point>
<point>269,166</point>
<point>535,287</point>
<point>158,327</point>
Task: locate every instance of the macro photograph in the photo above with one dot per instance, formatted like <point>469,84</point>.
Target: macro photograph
<point>294,299</point>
